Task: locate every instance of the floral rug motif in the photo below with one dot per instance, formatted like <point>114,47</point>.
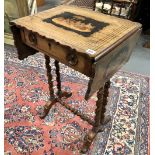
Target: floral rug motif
<point>62,132</point>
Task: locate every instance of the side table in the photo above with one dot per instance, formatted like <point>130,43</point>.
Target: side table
<point>92,43</point>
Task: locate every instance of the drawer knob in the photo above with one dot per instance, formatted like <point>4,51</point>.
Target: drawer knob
<point>72,59</point>
<point>32,38</point>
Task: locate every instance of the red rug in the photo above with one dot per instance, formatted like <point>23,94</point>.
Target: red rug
<point>61,132</point>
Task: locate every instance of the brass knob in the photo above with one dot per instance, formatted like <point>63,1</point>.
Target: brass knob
<point>32,38</point>
<point>72,59</point>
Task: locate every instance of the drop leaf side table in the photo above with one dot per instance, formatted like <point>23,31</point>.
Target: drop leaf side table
<point>92,43</point>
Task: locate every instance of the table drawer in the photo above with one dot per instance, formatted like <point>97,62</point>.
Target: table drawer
<point>76,60</point>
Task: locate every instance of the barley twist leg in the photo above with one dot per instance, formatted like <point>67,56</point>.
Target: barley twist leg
<point>92,134</point>
<point>60,93</point>
<point>100,120</point>
<point>52,101</point>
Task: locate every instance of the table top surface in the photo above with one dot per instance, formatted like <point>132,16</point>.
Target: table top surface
<point>81,29</point>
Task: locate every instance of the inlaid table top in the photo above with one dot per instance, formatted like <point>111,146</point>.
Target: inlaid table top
<point>78,28</point>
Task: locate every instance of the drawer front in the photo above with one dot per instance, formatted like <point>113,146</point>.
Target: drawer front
<point>65,55</point>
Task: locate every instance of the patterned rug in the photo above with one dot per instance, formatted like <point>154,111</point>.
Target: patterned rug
<point>61,132</point>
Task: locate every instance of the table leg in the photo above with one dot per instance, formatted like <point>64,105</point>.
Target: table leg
<point>60,93</point>
<point>104,120</point>
<point>101,103</point>
<point>105,100</point>
<point>52,101</point>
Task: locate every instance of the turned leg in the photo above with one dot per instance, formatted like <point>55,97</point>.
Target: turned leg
<point>105,100</point>
<point>104,120</point>
<point>100,120</point>
<point>58,77</point>
<point>52,101</point>
<point>91,135</point>
<point>59,92</point>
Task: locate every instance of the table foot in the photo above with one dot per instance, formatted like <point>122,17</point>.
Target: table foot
<point>49,104</point>
<point>92,134</point>
<point>46,108</point>
<point>106,120</point>
<point>64,94</point>
<point>88,141</point>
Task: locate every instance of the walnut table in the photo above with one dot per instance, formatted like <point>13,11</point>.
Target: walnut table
<point>92,43</point>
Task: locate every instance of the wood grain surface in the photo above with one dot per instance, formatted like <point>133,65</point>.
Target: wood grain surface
<point>97,41</point>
